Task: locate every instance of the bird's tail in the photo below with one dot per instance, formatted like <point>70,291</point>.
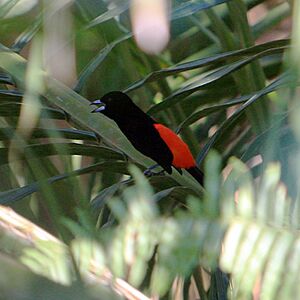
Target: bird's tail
<point>197,174</point>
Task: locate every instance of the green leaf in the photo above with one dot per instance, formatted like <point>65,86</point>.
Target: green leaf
<point>100,200</point>
<point>212,182</point>
<point>273,47</point>
<point>110,14</point>
<point>190,7</point>
<point>176,193</point>
<point>96,61</point>
<point>10,95</point>
<point>6,7</point>
<point>205,81</point>
<point>25,37</point>
<point>6,79</point>
<point>275,266</point>
<point>11,196</point>
<point>181,11</point>
<point>240,100</point>
<point>37,133</point>
<point>13,110</point>
<point>285,79</point>
<point>44,150</point>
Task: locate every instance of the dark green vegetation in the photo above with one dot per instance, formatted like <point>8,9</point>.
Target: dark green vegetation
<point>71,172</point>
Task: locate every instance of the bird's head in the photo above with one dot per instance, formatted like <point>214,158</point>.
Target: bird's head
<point>113,104</point>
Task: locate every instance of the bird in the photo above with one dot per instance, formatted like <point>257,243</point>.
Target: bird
<point>149,137</point>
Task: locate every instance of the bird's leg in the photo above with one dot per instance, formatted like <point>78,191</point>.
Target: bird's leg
<point>148,172</point>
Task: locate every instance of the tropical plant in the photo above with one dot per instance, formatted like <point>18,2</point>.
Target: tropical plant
<point>110,232</point>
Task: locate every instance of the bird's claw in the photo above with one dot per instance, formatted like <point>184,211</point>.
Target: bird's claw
<point>149,173</point>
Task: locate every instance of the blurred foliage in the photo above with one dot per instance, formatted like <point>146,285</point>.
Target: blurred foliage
<point>222,84</point>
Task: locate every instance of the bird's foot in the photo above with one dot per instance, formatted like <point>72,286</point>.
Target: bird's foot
<point>150,173</point>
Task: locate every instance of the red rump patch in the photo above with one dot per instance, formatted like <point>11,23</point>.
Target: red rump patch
<point>182,156</point>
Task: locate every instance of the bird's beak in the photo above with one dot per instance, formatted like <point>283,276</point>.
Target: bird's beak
<point>100,106</point>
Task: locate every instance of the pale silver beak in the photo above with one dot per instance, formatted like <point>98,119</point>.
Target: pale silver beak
<point>100,104</point>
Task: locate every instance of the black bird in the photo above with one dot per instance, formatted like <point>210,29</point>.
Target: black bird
<point>149,137</point>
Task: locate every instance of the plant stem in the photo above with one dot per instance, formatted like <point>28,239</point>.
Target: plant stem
<point>250,78</point>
